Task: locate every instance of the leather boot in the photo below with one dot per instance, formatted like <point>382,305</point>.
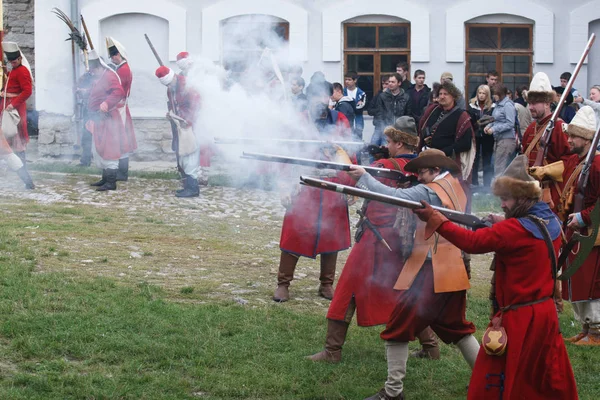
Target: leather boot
<point>287,266</point>
<point>430,348</point>
<point>123,171</point>
<point>25,177</point>
<point>327,277</point>
<point>111,181</point>
<point>334,340</point>
<point>190,188</point>
<point>102,181</point>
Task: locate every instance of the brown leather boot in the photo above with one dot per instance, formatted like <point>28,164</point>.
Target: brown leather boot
<point>327,277</point>
<point>430,348</point>
<point>287,266</point>
<point>334,340</point>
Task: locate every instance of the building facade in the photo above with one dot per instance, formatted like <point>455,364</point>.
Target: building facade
<point>465,37</point>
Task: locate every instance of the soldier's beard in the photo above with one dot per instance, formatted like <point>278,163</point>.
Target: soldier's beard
<point>520,209</point>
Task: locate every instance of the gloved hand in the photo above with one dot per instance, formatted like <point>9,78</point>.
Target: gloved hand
<point>552,171</point>
<point>433,218</point>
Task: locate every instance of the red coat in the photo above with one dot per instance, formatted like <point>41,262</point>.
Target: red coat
<point>559,150</point>
<point>585,284</point>
<point>536,364</point>
<point>19,82</point>
<point>130,144</point>
<point>317,221</point>
<point>371,269</point>
<point>107,129</point>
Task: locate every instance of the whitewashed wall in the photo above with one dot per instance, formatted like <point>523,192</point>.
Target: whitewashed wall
<point>437,40</point>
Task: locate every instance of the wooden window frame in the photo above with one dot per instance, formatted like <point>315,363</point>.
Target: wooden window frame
<point>377,52</point>
<point>499,52</point>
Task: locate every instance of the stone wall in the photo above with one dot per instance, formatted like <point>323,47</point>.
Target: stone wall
<point>18,26</point>
<point>57,138</point>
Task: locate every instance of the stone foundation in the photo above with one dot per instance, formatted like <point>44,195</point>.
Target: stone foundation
<point>57,138</point>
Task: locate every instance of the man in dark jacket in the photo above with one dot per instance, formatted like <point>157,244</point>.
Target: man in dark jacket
<point>343,104</point>
<point>392,104</point>
<point>418,95</point>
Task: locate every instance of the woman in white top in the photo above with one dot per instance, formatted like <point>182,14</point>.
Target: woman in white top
<point>594,102</point>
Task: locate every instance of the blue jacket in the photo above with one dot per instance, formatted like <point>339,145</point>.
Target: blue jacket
<point>358,112</point>
<point>504,120</point>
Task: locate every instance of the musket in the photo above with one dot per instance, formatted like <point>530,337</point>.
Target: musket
<point>586,243</point>
<point>375,171</point>
<point>153,50</point>
<point>236,140</point>
<point>87,33</point>
<point>454,216</point>
<point>547,136</point>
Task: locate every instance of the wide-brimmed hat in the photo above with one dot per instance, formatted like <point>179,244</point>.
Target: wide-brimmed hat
<point>432,158</point>
<point>404,130</point>
<point>583,123</point>
<point>516,182</point>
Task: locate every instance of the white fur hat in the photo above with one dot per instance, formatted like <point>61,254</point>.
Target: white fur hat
<point>540,89</point>
<point>583,123</point>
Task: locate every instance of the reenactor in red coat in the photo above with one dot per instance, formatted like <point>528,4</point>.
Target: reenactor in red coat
<point>316,221</point>
<point>583,289</point>
<point>383,240</point>
<point>433,282</point>
<point>18,88</point>
<point>523,355</point>
<point>183,105</point>
<point>539,98</point>
<point>105,122</point>
<point>118,56</point>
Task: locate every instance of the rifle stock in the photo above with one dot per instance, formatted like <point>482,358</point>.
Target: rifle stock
<point>154,50</point>
<point>454,216</point>
<point>376,172</point>
<point>547,136</point>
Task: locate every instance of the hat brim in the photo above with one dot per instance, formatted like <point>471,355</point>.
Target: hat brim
<point>432,161</point>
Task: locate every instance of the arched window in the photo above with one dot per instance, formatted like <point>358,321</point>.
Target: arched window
<point>503,47</point>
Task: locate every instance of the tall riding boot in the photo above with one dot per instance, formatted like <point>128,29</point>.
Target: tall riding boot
<point>102,181</point>
<point>430,348</point>
<point>287,266</point>
<point>123,171</point>
<point>111,181</point>
<point>334,340</point>
<point>26,178</point>
<point>327,277</point>
<point>190,188</point>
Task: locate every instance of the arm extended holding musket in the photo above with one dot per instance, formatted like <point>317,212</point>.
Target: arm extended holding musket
<point>454,216</point>
<point>260,141</point>
<point>376,172</point>
<point>547,136</point>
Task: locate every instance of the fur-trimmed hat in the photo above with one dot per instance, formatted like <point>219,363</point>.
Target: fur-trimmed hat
<point>452,90</point>
<point>165,75</point>
<point>404,130</point>
<point>515,182</point>
<point>583,123</point>
<point>432,158</point>
<point>540,89</point>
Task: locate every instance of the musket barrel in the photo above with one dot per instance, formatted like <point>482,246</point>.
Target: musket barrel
<point>454,216</point>
<point>375,171</point>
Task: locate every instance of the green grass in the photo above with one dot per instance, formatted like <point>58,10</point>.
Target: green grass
<point>71,327</point>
